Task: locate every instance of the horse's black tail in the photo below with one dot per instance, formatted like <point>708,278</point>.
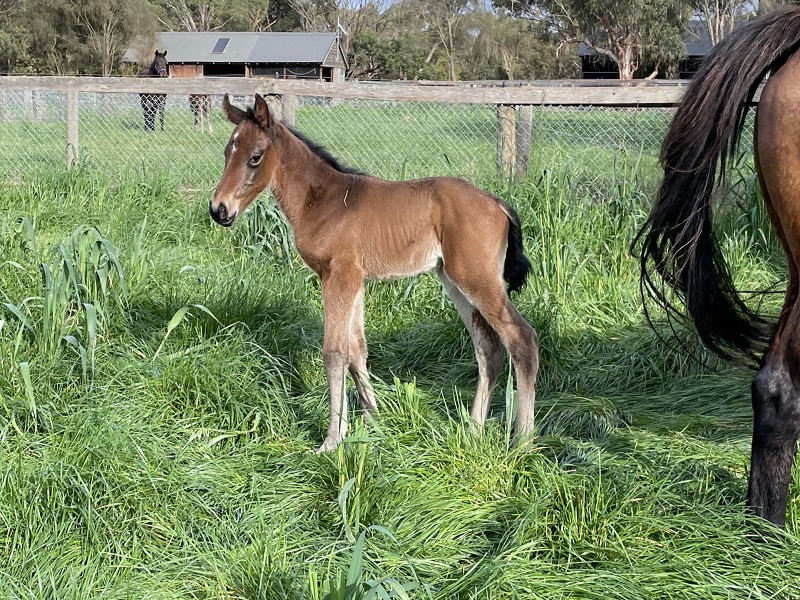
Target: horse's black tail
<point>517,265</point>
<point>677,243</point>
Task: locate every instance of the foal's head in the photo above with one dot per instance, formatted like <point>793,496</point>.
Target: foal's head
<point>159,65</point>
<point>250,161</point>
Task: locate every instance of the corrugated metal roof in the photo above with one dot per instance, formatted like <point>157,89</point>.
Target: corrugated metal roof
<point>292,47</point>
<point>281,47</point>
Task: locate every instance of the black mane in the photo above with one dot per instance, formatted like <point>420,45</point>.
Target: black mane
<point>318,149</point>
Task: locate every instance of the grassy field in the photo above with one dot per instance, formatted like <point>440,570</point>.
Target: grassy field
<point>162,392</point>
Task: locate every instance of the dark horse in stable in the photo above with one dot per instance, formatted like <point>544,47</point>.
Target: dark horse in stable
<point>678,246</point>
<point>349,227</point>
<point>154,104</point>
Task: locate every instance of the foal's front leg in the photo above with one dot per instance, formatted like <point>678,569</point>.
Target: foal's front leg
<point>340,293</point>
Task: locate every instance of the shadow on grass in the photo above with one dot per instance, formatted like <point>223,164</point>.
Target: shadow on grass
<point>591,384</point>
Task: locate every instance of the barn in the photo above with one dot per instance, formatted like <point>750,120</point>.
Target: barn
<point>279,55</point>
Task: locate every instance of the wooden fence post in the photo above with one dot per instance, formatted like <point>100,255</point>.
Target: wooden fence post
<point>275,103</point>
<point>505,140</point>
<point>524,122</point>
<point>289,103</point>
<point>36,105</point>
<point>72,128</point>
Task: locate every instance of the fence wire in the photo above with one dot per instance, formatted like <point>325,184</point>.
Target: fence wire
<point>397,140</point>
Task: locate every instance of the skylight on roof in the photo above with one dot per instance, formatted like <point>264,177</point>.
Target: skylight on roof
<point>220,46</point>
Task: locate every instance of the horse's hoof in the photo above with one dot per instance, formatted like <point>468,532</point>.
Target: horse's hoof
<point>526,443</point>
<point>328,445</point>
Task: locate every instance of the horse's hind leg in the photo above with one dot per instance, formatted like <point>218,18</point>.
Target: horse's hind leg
<point>482,285</point>
<point>148,111</point>
<point>489,350</point>
<point>776,415</point>
<point>358,358</point>
<point>194,108</point>
<point>775,389</point>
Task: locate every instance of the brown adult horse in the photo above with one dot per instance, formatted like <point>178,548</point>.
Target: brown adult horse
<point>678,246</point>
<point>153,104</point>
<point>349,227</point>
<point>200,105</point>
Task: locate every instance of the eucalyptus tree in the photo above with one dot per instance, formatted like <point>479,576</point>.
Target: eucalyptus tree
<point>627,32</point>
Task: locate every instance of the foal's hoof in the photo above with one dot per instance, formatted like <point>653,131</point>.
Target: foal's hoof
<point>328,446</point>
<point>526,442</point>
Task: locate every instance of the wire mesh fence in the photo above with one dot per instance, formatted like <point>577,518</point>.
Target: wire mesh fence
<point>396,140</point>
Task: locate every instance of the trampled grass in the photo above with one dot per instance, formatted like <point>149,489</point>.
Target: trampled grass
<point>159,444</point>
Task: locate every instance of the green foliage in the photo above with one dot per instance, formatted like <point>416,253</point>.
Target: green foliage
<point>230,15</point>
<point>78,279</point>
<point>630,33</point>
<point>396,58</point>
<point>76,37</point>
<point>512,48</point>
<point>409,39</point>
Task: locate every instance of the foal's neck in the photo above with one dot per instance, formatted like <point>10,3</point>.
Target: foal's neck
<point>299,174</point>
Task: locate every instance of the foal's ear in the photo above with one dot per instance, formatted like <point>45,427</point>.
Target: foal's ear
<point>261,110</point>
<point>235,114</point>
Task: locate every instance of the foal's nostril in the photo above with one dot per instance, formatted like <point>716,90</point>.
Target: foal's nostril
<point>220,212</point>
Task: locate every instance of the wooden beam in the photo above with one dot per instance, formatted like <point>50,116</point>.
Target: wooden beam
<point>638,95</point>
<point>534,95</point>
<point>506,143</point>
<point>72,128</point>
<point>146,85</point>
<point>289,103</point>
<point>523,130</point>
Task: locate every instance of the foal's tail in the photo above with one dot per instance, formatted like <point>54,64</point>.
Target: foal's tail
<point>517,265</point>
<point>677,242</point>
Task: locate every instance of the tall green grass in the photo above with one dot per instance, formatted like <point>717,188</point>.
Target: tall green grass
<point>160,444</point>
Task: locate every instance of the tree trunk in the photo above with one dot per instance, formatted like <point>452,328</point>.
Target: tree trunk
<point>627,63</point>
<point>508,63</point>
<point>451,59</point>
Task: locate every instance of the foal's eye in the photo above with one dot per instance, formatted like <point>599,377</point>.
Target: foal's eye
<point>255,160</point>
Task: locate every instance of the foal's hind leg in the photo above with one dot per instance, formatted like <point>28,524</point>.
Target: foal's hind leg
<point>489,350</point>
<point>482,286</point>
<point>358,360</point>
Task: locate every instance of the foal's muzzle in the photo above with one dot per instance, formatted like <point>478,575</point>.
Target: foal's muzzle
<point>221,215</point>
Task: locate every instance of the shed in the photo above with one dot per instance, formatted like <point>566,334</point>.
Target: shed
<point>281,55</point>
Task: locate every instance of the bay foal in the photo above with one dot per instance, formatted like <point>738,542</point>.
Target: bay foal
<point>349,227</point>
